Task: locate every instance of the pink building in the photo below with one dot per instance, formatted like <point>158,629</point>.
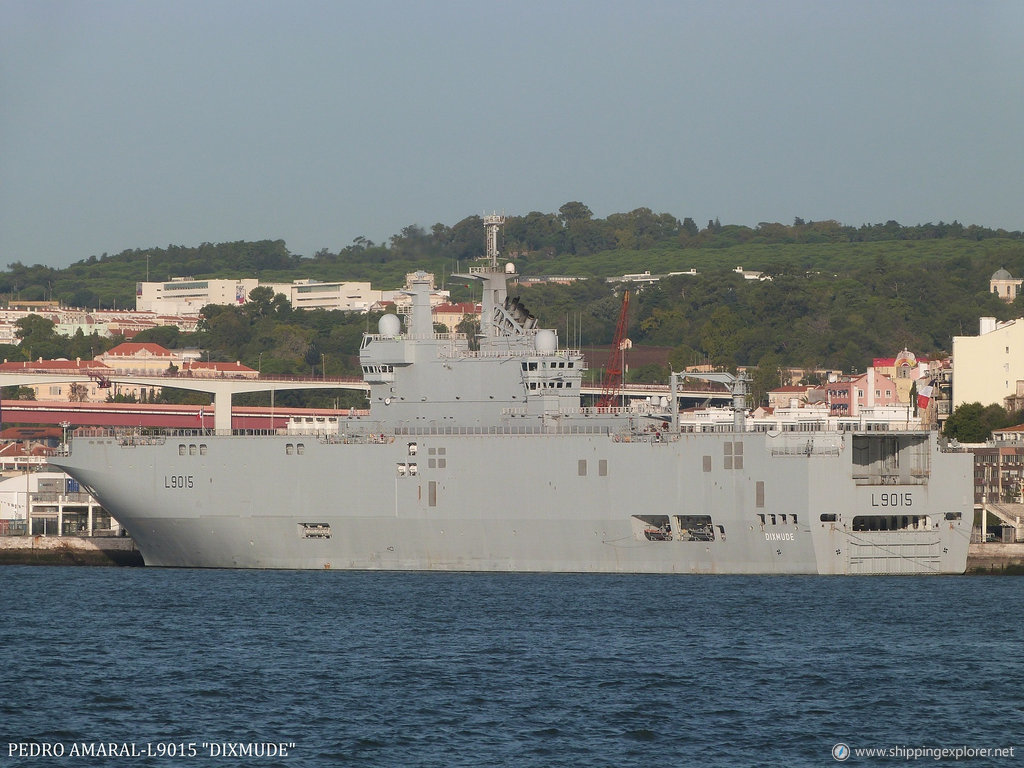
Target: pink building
<point>905,370</point>
<point>847,395</point>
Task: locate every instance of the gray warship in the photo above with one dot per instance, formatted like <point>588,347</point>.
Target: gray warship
<point>477,454</point>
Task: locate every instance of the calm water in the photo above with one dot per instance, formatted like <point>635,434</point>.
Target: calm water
<point>520,670</point>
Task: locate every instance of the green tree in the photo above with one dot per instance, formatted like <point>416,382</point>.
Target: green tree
<point>573,212</point>
<point>261,300</point>
<point>651,373</point>
<point>35,329</point>
<point>719,337</point>
<point>470,325</point>
<point>38,337</point>
<point>974,422</point>
<point>683,356</point>
<point>764,378</point>
<point>167,336</point>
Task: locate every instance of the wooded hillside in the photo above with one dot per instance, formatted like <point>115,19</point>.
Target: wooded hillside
<point>839,295</point>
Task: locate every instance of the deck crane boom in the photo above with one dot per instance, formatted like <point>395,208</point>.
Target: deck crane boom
<point>612,383</point>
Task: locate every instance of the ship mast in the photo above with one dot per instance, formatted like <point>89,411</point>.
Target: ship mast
<point>492,224</point>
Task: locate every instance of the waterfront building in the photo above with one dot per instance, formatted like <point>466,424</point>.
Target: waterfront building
<point>53,505</point>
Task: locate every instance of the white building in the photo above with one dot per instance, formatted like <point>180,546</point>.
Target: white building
<point>749,274</point>
<point>56,505</point>
<point>68,320</point>
<point>313,294</point>
<point>186,295</point>
<point>987,367</point>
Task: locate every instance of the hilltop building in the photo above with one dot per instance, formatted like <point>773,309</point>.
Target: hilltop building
<point>186,295</point>
<point>313,294</point>
<point>749,274</point>
<point>647,277</point>
<point>1004,285</point>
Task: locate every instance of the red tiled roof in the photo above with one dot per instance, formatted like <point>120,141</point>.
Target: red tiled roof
<point>465,308</point>
<point>133,348</point>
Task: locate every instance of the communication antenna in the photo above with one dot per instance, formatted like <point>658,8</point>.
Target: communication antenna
<point>492,224</point>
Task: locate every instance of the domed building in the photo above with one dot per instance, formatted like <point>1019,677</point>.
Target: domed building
<point>904,369</point>
<point>1004,285</point>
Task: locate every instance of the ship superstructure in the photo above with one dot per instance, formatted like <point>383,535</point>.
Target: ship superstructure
<point>478,454</point>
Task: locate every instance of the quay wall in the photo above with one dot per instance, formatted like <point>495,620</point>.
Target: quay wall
<point>68,550</point>
<point>995,557</point>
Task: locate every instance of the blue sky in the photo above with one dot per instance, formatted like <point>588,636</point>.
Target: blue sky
<point>142,124</point>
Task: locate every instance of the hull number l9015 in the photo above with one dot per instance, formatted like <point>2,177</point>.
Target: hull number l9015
<point>179,481</point>
<point>890,499</point>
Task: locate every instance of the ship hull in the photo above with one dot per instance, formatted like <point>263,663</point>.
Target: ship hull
<point>685,503</point>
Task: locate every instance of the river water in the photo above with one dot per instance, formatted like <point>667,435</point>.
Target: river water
<point>162,667</point>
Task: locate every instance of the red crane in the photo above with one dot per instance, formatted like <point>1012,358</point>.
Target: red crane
<point>611,385</point>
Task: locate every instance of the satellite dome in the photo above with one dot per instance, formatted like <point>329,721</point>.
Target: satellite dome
<point>510,268</point>
<point>389,325</point>
<point>546,341</point>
